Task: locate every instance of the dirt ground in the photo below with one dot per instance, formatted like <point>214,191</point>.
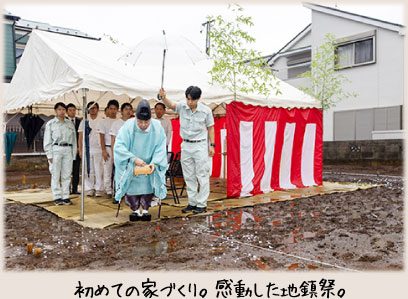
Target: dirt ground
<point>361,230</point>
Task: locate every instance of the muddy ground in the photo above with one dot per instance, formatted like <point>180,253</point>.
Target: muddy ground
<point>361,230</point>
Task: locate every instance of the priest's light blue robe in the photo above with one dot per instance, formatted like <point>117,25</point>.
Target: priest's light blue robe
<point>150,145</point>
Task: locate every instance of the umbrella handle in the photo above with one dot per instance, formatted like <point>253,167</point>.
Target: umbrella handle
<point>164,60</point>
<point>162,79</point>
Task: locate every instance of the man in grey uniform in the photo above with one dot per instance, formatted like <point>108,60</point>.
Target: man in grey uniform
<point>60,146</point>
<point>196,127</point>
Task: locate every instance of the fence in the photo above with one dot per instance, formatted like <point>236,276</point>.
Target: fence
<point>20,146</point>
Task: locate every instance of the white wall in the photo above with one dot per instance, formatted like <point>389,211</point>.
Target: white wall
<point>280,64</point>
<point>304,42</point>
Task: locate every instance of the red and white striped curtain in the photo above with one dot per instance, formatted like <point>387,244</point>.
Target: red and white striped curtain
<point>272,149</point>
<point>219,169</point>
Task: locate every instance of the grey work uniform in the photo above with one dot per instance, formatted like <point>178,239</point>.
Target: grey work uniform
<point>194,151</point>
<point>60,145</point>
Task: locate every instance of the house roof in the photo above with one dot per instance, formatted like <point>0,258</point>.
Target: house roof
<point>28,24</point>
<point>356,17</point>
<point>293,41</point>
<point>9,16</point>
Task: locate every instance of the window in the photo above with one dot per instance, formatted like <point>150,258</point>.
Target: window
<point>298,64</point>
<point>363,51</point>
<point>388,118</point>
<point>359,124</point>
<point>296,70</point>
<point>356,50</point>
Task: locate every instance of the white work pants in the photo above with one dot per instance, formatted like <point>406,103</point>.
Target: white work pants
<point>60,169</point>
<point>107,171</point>
<point>196,170</point>
<point>95,179</point>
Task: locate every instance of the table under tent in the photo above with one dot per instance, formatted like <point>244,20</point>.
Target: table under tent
<point>271,143</point>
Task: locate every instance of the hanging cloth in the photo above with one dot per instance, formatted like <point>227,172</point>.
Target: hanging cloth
<point>9,141</point>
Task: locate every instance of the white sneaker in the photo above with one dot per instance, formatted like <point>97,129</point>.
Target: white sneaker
<point>90,193</point>
<point>155,202</point>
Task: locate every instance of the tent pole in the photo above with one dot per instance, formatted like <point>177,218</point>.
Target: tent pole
<point>84,112</point>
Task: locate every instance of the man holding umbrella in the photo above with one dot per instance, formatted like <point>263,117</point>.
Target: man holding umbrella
<point>196,127</point>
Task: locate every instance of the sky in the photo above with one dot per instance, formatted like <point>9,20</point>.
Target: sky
<point>275,24</point>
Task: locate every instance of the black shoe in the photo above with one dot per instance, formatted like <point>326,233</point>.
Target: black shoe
<point>198,210</point>
<point>135,217</point>
<point>66,201</point>
<point>114,201</point>
<point>75,192</point>
<point>59,202</point>
<point>188,209</point>
<point>146,217</point>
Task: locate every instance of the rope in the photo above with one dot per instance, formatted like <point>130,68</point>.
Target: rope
<point>73,92</point>
<point>364,174</point>
<point>280,252</point>
<point>17,113</point>
<point>100,97</point>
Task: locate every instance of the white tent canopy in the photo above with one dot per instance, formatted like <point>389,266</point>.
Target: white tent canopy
<point>55,67</point>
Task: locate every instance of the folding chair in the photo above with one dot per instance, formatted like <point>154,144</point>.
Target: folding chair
<point>177,172</point>
<point>169,175</point>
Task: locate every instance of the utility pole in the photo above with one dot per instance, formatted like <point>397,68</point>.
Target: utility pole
<point>207,38</point>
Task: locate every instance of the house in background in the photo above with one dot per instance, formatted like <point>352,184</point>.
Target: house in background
<point>9,21</point>
<point>17,32</point>
<point>372,58</point>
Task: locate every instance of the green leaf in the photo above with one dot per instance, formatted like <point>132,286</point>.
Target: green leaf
<point>238,68</point>
<point>325,79</point>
